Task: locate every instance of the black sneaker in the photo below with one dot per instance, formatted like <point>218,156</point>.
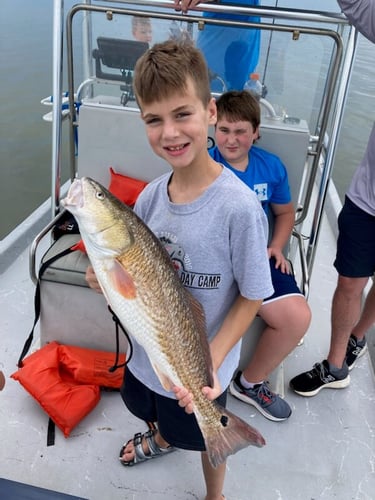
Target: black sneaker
<point>322,376</point>
<point>270,405</point>
<point>356,348</point>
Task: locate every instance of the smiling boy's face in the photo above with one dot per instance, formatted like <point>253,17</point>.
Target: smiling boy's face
<point>177,126</point>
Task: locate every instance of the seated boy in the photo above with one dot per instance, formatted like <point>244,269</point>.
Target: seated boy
<point>192,208</point>
<point>286,312</point>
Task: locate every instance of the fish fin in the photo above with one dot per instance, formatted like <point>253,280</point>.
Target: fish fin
<point>122,281</point>
<point>164,379</point>
<point>231,436</point>
<point>200,322</point>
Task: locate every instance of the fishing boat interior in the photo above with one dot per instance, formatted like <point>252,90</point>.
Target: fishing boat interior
<point>325,450</point>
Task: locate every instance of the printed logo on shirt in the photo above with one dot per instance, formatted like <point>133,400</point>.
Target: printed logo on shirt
<point>261,191</point>
<point>183,266</point>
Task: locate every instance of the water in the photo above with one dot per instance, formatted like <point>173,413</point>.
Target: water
<point>25,145</point>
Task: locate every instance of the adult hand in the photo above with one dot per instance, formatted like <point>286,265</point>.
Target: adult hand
<point>185,5</point>
<point>92,280</point>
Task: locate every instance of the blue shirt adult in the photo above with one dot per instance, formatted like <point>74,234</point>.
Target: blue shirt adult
<point>231,53</point>
<point>265,174</point>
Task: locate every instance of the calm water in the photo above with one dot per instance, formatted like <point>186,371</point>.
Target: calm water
<point>25,148</point>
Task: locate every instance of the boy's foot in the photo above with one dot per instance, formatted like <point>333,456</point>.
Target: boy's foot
<point>270,405</point>
<point>141,448</point>
<point>322,376</point>
<point>356,348</point>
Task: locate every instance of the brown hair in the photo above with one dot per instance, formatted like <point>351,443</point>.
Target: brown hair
<point>164,70</point>
<point>238,106</point>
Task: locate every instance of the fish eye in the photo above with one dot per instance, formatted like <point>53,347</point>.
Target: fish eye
<point>100,195</point>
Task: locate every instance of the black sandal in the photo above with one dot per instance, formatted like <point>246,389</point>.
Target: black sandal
<point>139,454</point>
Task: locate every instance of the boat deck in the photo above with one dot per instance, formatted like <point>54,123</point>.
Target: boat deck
<point>326,450</point>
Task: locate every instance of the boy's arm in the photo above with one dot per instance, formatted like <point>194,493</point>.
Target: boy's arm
<point>283,226</point>
<point>237,321</point>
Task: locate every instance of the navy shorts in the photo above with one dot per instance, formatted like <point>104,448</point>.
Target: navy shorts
<point>176,426</point>
<point>355,257</point>
<point>283,283</point>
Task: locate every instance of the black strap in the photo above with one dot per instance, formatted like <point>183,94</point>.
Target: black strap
<point>43,267</point>
<point>119,325</point>
<point>51,432</point>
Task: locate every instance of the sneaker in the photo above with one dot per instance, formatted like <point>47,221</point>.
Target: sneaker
<point>356,348</point>
<point>270,405</point>
<point>322,376</point>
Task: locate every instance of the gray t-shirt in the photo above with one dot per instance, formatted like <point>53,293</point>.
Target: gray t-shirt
<point>218,244</point>
<point>361,13</point>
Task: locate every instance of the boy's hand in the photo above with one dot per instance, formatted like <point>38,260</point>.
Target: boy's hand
<point>185,398</point>
<point>91,280</point>
<point>280,261</point>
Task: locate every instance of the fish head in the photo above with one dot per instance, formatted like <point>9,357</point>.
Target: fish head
<point>104,221</point>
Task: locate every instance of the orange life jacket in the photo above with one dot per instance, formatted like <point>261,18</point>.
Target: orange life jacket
<point>66,381</point>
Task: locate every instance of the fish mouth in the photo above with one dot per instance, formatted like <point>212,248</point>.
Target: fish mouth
<point>74,198</point>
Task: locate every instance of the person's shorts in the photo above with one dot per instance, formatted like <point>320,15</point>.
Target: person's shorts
<point>355,256</point>
<point>283,284</point>
<point>177,427</point>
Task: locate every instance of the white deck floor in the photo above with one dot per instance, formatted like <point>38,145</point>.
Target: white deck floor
<point>325,451</point>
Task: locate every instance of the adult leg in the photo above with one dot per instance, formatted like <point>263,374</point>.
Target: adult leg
<point>214,478</point>
<point>345,314</point>
<point>367,318</point>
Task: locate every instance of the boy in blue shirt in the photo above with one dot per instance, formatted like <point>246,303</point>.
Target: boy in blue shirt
<point>286,312</point>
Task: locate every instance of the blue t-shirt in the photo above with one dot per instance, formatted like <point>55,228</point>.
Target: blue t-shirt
<point>231,53</point>
<point>265,174</point>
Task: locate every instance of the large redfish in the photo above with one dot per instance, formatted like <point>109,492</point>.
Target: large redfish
<point>143,289</point>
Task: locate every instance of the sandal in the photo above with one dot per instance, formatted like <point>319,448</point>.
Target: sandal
<point>139,454</point>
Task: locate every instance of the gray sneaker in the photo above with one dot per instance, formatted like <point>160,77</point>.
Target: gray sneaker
<point>270,405</point>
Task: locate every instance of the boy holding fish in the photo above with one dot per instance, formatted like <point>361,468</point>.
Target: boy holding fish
<point>216,233</point>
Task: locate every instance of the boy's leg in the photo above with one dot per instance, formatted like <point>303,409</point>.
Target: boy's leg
<point>141,402</point>
<point>214,478</point>
<point>287,320</point>
<point>287,317</point>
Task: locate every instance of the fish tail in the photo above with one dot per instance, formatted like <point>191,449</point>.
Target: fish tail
<point>233,435</point>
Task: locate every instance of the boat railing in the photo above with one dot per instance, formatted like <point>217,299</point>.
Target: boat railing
<point>316,140</point>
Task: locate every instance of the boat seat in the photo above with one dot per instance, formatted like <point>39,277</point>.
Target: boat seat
<point>114,136</point>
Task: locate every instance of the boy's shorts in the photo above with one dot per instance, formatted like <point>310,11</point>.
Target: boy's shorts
<point>177,427</point>
<point>283,284</point>
<point>355,256</point>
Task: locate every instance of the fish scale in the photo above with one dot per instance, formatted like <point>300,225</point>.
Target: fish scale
<point>144,291</point>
